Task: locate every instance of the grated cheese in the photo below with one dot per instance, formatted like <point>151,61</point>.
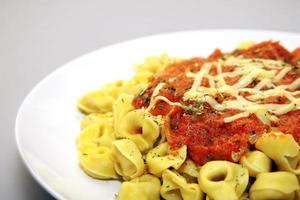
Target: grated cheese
<point>266,72</point>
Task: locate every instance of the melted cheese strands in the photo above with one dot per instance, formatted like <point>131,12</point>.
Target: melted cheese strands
<point>267,72</point>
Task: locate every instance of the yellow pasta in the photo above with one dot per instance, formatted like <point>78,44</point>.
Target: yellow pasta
<point>94,145</point>
<point>282,149</point>
<point>141,77</point>
<point>161,158</point>
<point>129,162</point>
<point>223,180</point>
<point>120,108</point>
<point>95,135</point>
<point>154,64</point>
<point>274,185</point>
<point>146,187</point>
<point>98,162</point>
<point>114,89</point>
<point>189,170</point>
<point>139,127</point>
<point>245,196</point>
<point>96,118</point>
<point>256,162</point>
<point>134,87</point>
<point>101,101</point>
<point>136,125</point>
<point>245,44</point>
<point>95,155</point>
<point>97,101</point>
<point>175,187</point>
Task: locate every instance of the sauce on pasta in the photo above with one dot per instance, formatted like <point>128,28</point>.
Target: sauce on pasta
<point>222,123</point>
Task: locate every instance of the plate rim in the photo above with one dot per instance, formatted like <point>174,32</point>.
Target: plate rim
<point>68,64</point>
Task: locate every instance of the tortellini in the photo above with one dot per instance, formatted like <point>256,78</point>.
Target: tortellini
<point>154,64</point>
<point>175,187</point>
<point>256,162</point>
<point>96,135</point>
<point>96,118</point>
<point>161,158</point>
<point>142,77</point>
<point>97,101</point>
<point>137,84</point>
<point>274,185</point>
<point>140,128</point>
<point>95,155</point>
<point>245,44</point>
<point>223,180</point>
<point>136,125</point>
<point>120,108</point>
<point>245,196</point>
<point>282,148</point>
<point>98,162</point>
<point>129,162</point>
<point>146,187</point>
<point>101,101</point>
<point>189,170</point>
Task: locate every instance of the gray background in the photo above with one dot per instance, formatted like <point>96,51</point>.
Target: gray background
<point>37,37</point>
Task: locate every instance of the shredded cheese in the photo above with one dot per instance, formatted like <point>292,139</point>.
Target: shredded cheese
<point>154,94</point>
<point>168,101</point>
<point>281,74</point>
<point>265,72</point>
<point>294,85</point>
<point>237,116</point>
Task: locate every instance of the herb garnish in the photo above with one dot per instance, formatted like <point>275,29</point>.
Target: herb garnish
<point>294,70</point>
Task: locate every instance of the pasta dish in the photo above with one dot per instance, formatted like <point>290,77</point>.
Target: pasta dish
<point>225,127</point>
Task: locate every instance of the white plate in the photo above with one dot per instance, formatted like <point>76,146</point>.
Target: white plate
<point>48,122</point>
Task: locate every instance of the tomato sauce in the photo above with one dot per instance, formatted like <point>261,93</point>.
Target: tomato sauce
<point>202,128</point>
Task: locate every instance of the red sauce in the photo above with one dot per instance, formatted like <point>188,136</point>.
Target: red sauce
<point>296,57</point>
<point>205,133</point>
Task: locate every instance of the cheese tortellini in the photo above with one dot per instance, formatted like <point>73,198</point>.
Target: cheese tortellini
<point>98,162</point>
<point>161,158</point>
<point>96,118</point>
<point>129,162</point>
<point>140,127</point>
<point>282,149</point>
<point>95,135</point>
<point>153,64</point>
<point>274,185</point>
<point>175,187</point>
<point>136,125</point>
<point>94,146</point>
<point>189,169</point>
<point>256,162</point>
<point>223,180</point>
<point>120,108</point>
<point>101,101</point>
<point>146,187</point>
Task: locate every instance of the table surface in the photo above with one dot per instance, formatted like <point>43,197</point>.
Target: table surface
<point>37,37</point>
